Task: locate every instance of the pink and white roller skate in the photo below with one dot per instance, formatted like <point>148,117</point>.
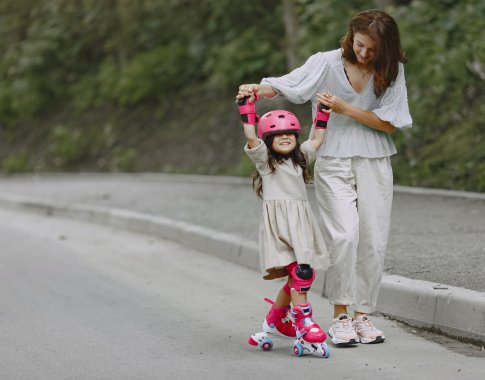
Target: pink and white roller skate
<point>277,324</point>
<point>309,336</point>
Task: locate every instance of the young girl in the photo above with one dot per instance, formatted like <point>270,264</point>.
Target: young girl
<point>290,243</point>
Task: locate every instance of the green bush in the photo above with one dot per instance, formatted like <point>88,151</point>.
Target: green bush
<point>16,163</point>
<point>123,159</point>
<point>67,146</point>
<point>153,75</point>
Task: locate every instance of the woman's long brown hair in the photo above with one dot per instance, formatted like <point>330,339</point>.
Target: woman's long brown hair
<point>275,159</point>
<point>384,31</point>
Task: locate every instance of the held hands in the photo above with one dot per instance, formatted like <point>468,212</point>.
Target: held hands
<point>335,103</point>
<point>250,91</point>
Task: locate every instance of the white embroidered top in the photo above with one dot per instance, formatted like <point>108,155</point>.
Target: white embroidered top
<point>345,136</point>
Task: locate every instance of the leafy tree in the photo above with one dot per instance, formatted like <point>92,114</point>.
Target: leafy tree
<point>121,77</point>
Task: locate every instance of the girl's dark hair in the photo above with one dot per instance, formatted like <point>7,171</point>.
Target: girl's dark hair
<point>384,31</point>
<point>274,158</point>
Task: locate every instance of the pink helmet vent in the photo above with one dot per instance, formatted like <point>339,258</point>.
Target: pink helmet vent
<point>277,122</point>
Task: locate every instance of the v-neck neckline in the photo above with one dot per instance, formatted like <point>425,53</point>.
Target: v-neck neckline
<point>371,78</point>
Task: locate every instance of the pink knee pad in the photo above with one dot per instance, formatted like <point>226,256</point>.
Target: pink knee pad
<point>302,276</point>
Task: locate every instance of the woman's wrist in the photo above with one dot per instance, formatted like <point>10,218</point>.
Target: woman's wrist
<point>350,111</point>
<point>266,91</point>
<point>368,118</point>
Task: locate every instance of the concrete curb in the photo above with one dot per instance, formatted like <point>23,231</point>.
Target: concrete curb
<point>454,311</point>
<point>246,181</point>
<point>227,180</point>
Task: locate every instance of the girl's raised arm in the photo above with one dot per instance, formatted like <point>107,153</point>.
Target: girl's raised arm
<point>317,138</point>
<point>250,120</point>
<point>319,125</point>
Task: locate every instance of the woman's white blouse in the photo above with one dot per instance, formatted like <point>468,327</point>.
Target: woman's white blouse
<point>345,136</point>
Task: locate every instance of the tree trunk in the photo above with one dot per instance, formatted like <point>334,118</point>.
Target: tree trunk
<point>291,30</point>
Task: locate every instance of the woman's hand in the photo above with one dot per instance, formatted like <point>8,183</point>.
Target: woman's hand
<point>248,90</point>
<point>335,103</point>
<point>367,118</point>
<point>255,91</point>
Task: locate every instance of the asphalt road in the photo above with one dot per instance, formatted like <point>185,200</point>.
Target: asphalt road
<point>433,238</point>
<point>83,301</point>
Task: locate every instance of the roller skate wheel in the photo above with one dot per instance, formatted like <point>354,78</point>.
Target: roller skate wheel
<point>266,344</point>
<point>298,349</point>
<point>325,350</point>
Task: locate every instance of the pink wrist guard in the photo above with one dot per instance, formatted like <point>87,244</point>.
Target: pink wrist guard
<point>321,117</point>
<point>248,110</point>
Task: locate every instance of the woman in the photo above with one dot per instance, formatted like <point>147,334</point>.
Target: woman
<point>363,84</point>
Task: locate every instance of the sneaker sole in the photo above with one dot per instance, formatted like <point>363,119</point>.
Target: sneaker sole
<point>342,343</point>
<point>377,340</point>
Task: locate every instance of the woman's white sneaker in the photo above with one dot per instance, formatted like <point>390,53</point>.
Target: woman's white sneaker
<point>366,330</point>
<point>342,331</point>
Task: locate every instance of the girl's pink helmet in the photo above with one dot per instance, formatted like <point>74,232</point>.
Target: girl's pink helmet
<point>278,121</point>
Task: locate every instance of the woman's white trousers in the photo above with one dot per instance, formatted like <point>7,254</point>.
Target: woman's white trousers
<point>354,198</point>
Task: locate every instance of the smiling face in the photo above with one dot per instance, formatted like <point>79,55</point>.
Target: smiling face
<point>284,143</point>
<point>364,49</point>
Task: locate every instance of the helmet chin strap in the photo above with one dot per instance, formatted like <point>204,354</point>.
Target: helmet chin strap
<point>281,156</point>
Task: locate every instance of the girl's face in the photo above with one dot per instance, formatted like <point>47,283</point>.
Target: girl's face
<point>364,48</point>
<point>284,143</point>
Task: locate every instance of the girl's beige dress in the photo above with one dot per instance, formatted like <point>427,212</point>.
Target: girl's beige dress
<point>288,230</point>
